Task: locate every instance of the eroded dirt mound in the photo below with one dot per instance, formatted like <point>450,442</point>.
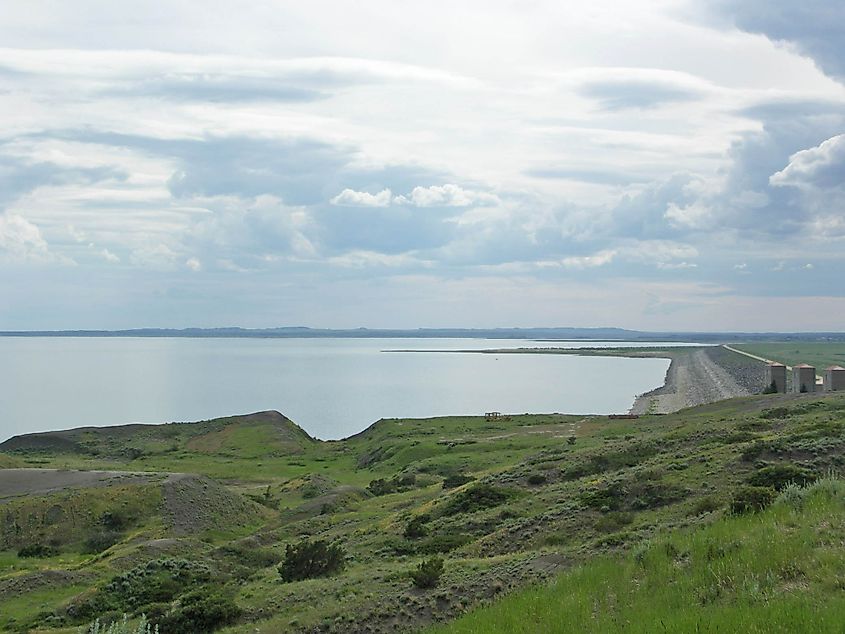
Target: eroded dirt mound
<point>195,503</point>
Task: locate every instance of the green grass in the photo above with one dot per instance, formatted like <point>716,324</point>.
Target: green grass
<point>777,571</point>
<point>819,355</point>
<point>622,484</point>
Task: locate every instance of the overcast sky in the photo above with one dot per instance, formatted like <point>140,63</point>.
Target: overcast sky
<point>643,164</point>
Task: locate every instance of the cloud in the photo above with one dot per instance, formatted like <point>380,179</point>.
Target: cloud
<point>351,198</point>
<point>108,256</point>
<point>815,27</point>
<point>193,264</point>
<point>20,240</point>
<point>676,266</point>
<point>448,195</point>
<point>822,166</point>
<point>590,261</point>
<point>616,89</point>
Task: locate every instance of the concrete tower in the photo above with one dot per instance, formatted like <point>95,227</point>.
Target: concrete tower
<point>803,378</point>
<point>834,378</point>
<point>776,373</point>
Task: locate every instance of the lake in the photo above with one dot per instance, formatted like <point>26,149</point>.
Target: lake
<point>331,387</point>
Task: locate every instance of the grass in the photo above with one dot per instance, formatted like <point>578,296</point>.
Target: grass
<point>622,484</point>
<point>819,355</point>
<point>777,571</point>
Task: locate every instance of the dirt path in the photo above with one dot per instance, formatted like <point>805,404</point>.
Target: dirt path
<point>692,379</point>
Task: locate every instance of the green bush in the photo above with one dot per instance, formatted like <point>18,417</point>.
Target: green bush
<point>98,542</point>
<point>307,560</point>
<point>442,543</point>
<point>476,498</point>
<point>457,480</point>
<point>750,499</point>
<point>199,612</point>
<point>613,521</point>
<point>779,476</point>
<point>38,550</point>
<point>394,485</point>
<point>416,528</point>
<point>427,573</point>
<point>536,478</point>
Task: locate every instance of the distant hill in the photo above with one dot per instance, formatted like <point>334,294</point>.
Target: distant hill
<point>546,333</point>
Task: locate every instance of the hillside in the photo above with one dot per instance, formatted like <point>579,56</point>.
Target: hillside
<point>775,571</point>
<point>505,502</point>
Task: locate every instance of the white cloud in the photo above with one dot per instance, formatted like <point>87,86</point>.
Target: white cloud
<point>590,261</point>
<point>20,240</point>
<point>697,215</point>
<point>448,195</point>
<point>352,198</point>
<point>676,266</point>
<point>109,256</point>
<point>193,264</point>
<point>821,166</point>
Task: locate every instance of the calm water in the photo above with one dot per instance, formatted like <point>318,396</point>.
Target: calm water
<point>331,387</point>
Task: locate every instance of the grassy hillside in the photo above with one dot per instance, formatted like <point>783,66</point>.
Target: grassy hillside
<point>776,571</point>
<point>504,503</point>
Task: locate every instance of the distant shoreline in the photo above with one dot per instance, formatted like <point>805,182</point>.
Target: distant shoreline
<point>542,334</point>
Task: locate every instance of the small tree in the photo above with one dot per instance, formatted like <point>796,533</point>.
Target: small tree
<point>427,573</point>
<point>307,560</point>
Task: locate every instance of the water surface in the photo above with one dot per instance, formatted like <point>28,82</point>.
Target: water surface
<point>331,387</point>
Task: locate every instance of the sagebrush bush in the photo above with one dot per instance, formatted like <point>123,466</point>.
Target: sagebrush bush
<point>307,560</point>
<point>750,499</point>
<point>38,550</point>
<point>779,476</point>
<point>456,480</point>
<point>122,627</point>
<point>200,611</point>
<point>476,498</point>
<point>427,573</point>
<point>416,528</point>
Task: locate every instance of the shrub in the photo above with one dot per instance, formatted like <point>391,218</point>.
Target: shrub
<point>394,485</point>
<point>536,478</point>
<point>778,476</point>
<point>101,541</point>
<point>116,520</point>
<point>38,550</point>
<point>476,498</point>
<point>613,521</point>
<point>427,573</point>
<point>707,504</point>
<point>122,627</point>
<point>457,480</point>
<point>416,527</point>
<point>750,499</point>
<point>442,543</point>
<point>200,611</point>
<point>307,560</point>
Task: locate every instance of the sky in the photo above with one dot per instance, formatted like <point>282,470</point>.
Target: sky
<point>647,164</point>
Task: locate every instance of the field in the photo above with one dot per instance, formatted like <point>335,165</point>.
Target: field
<point>505,503</point>
<point>819,355</point>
